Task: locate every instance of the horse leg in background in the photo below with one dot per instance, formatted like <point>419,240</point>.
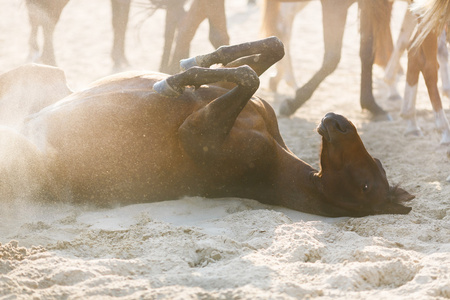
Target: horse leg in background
<point>174,13</point>
<point>44,13</point>
<point>334,17</point>
<point>186,32</point>
<point>430,74</point>
<point>209,127</point>
<point>199,11</point>
<point>423,58</point>
<point>393,67</point>
<point>443,63</point>
<point>218,33</point>
<point>282,28</point>
<point>34,53</point>
<point>120,13</point>
<point>375,21</point>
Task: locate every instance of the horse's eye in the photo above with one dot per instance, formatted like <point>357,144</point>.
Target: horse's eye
<point>365,187</point>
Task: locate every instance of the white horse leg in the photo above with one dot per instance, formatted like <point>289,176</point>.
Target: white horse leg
<point>443,126</point>
<point>443,64</point>
<point>393,66</point>
<point>408,110</point>
<point>284,70</point>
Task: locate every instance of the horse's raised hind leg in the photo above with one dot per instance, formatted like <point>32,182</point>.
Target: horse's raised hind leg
<point>259,55</point>
<point>120,12</point>
<point>204,131</point>
<point>334,16</point>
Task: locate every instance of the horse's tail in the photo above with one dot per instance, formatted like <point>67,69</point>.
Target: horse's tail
<point>270,14</point>
<point>380,13</point>
<point>433,14</point>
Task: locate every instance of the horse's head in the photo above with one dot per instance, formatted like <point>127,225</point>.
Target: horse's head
<point>353,182</point>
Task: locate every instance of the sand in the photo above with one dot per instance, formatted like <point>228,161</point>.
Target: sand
<point>197,248</point>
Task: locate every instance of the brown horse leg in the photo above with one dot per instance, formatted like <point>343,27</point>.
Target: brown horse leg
<point>120,12</point>
<point>174,12</point>
<point>430,74</point>
<point>367,54</point>
<point>186,33</point>
<point>259,55</point>
<point>218,34</point>
<point>203,132</point>
<point>334,15</point>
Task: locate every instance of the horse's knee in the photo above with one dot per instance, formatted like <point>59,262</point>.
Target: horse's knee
<point>331,63</point>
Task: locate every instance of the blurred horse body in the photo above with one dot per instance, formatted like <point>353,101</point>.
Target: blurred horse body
<point>427,54</point>
<point>46,14</point>
<point>375,46</point>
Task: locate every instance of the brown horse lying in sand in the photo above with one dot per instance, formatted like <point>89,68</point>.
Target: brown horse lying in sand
<point>143,137</point>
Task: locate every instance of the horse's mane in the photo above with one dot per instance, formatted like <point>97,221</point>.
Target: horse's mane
<point>433,14</point>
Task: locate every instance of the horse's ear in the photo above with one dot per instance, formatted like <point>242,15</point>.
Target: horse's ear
<point>395,204</point>
<point>400,195</point>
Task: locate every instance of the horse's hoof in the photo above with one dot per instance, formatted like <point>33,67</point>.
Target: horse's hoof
<point>287,108</point>
<point>445,140</point>
<point>164,89</point>
<point>414,132</point>
<point>380,117</point>
<point>186,64</point>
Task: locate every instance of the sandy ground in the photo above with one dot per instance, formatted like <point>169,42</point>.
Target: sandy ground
<point>198,248</point>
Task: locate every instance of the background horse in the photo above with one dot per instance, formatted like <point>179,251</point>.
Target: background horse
<point>46,14</point>
<point>374,22</point>
<point>427,54</point>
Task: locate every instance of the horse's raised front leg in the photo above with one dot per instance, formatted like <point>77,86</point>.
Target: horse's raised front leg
<point>334,16</point>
